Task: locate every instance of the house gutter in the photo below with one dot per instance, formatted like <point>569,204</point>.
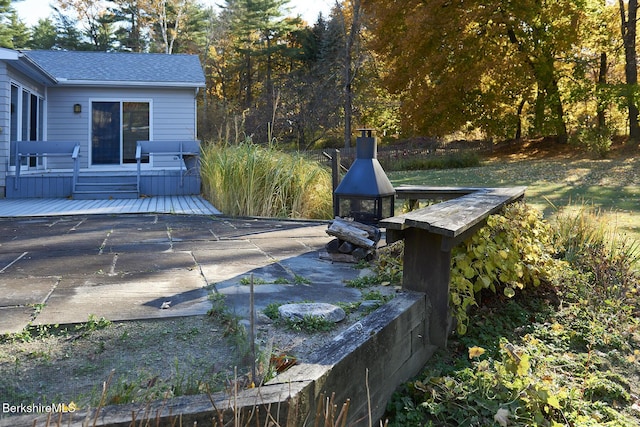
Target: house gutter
<point>37,69</point>
<point>124,83</point>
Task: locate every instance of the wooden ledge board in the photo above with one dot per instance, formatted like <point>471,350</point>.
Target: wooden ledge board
<point>453,217</point>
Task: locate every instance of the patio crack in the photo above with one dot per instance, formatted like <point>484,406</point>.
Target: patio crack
<point>14,261</point>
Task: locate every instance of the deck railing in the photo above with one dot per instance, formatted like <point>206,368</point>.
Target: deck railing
<point>45,150</point>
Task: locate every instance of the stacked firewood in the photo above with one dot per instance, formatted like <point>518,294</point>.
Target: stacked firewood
<point>353,241</point>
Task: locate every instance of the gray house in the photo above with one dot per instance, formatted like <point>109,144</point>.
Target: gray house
<point>98,124</point>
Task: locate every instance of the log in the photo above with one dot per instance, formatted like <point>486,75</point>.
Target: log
<point>333,245</point>
<point>344,231</point>
<point>374,233</point>
<point>346,248</point>
<point>360,253</point>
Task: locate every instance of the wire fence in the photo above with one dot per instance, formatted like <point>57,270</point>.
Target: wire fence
<point>388,155</point>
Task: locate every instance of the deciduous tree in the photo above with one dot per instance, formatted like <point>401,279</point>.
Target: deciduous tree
<point>628,26</point>
<point>459,64</point>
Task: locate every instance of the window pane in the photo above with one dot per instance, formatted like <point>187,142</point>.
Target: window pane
<point>33,119</point>
<point>105,136</point>
<point>13,135</point>
<point>13,131</point>
<point>25,116</point>
<point>135,127</point>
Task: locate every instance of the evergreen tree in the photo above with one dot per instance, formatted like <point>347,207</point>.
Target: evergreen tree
<point>69,36</point>
<point>6,34</point>
<point>261,33</point>
<point>94,20</point>
<point>132,30</point>
<point>44,35</point>
<point>20,34</point>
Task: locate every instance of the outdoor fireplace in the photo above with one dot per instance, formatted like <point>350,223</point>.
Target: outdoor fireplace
<point>365,193</point>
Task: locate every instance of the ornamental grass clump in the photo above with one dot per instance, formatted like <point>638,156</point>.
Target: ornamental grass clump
<point>609,257</point>
<point>253,180</point>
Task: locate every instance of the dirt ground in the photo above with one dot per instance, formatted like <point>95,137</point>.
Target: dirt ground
<point>146,360</point>
<point>549,148</point>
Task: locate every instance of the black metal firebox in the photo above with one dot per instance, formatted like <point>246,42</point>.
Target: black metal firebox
<point>365,194</point>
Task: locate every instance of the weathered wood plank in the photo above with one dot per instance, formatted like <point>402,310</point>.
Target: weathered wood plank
<point>456,216</point>
<point>453,217</point>
<point>421,192</point>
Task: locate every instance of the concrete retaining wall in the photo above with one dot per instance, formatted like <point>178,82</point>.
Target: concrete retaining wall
<point>388,347</point>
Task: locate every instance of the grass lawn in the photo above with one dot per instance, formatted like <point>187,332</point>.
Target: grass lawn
<point>612,185</point>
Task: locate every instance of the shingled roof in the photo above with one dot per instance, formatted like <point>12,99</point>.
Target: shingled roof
<point>112,68</point>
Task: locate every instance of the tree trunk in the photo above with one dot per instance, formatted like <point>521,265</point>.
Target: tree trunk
<point>602,80</point>
<point>556,100</point>
<point>548,94</point>
<point>518,135</point>
<point>628,29</point>
<point>248,99</point>
<point>351,37</point>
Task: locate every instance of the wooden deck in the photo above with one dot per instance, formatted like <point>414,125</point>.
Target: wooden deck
<point>182,205</point>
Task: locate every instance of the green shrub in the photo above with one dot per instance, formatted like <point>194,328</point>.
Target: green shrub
<point>252,180</point>
<point>596,140</point>
<point>555,355</point>
<point>514,250</point>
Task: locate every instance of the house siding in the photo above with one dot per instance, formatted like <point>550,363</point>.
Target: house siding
<point>173,115</point>
<point>5,123</point>
<point>132,78</point>
<point>173,112</point>
<point>7,76</point>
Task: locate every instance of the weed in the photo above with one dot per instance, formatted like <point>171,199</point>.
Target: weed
<point>220,311</point>
<point>93,324</point>
<point>363,282</point>
<point>32,332</point>
<point>374,296</point>
<point>256,281</point>
<point>271,310</point>
<point>310,324</point>
<point>300,280</point>
<point>349,307</point>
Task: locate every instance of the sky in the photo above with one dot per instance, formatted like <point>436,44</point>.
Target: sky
<point>30,11</point>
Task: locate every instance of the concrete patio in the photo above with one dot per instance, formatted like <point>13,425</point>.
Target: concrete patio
<point>63,269</point>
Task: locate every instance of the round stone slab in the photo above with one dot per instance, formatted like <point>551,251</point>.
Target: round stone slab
<point>299,311</point>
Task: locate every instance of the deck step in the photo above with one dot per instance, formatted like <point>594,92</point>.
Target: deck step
<point>101,187</point>
<point>104,195</point>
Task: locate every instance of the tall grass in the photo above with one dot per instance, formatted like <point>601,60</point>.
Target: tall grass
<point>598,248</point>
<point>252,180</point>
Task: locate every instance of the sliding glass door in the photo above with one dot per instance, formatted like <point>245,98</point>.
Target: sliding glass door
<point>116,127</point>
